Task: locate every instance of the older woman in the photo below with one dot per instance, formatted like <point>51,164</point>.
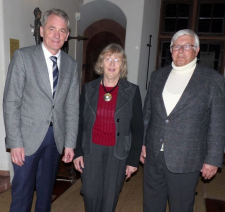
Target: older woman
<point>110,131</point>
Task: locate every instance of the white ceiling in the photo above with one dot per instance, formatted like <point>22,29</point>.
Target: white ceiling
<point>98,10</point>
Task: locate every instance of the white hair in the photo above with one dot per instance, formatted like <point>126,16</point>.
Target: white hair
<point>186,32</point>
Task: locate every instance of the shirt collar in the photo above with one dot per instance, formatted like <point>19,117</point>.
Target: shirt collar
<point>48,54</point>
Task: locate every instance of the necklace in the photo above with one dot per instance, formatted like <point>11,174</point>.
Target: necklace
<point>107,96</point>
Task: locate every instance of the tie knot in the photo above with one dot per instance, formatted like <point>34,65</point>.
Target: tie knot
<point>54,59</point>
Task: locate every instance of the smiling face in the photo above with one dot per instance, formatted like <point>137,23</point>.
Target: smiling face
<point>111,66</point>
<point>183,57</point>
<point>54,33</point>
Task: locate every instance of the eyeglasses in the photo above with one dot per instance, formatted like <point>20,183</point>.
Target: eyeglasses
<point>109,60</point>
<point>186,47</point>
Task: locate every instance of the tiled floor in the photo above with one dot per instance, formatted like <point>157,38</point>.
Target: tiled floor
<point>211,204</point>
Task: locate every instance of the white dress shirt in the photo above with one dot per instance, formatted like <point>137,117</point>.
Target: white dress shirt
<point>49,63</point>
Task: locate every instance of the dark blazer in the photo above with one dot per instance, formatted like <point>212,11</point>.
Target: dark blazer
<point>128,120</point>
<point>194,132</point>
<point>28,104</point>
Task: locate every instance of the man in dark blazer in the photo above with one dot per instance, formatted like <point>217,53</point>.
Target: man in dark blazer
<point>184,120</point>
<point>41,113</point>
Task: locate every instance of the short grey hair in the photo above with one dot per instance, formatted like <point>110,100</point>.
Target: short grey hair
<point>57,12</point>
<point>186,32</point>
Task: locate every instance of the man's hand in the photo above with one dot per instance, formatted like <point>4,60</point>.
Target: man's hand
<point>208,171</point>
<point>68,155</point>
<point>130,170</point>
<point>79,163</point>
<point>18,156</point>
<point>143,154</point>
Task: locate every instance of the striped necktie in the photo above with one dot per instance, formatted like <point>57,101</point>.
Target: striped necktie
<point>55,74</point>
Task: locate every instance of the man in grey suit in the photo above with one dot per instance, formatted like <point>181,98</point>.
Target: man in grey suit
<point>41,113</point>
<point>184,120</point>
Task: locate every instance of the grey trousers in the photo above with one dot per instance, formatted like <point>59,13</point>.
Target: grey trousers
<point>160,184</point>
<point>103,177</point>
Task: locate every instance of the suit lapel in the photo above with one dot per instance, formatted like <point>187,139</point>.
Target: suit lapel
<point>158,89</point>
<point>92,95</point>
<point>39,59</point>
<point>190,92</point>
<point>122,96</point>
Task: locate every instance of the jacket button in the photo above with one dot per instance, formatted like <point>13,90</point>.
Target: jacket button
<point>118,134</point>
<point>167,121</point>
<point>118,120</point>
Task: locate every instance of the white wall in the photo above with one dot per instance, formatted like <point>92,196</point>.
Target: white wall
<point>142,20</point>
<point>15,22</point>
<point>150,25</point>
<point>18,15</point>
<point>133,10</point>
<point>4,157</point>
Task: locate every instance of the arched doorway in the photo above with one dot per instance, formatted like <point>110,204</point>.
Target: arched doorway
<point>94,48</point>
<point>101,33</point>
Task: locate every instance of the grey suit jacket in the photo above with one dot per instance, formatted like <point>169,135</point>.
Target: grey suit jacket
<point>194,132</point>
<point>28,104</point>
<point>128,119</point>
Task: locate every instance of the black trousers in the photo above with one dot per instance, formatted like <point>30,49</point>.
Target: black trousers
<point>160,184</point>
<point>103,177</point>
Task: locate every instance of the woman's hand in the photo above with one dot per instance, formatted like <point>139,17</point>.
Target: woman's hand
<point>79,163</point>
<point>130,170</point>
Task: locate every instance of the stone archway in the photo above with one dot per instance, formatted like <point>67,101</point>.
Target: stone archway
<point>100,34</point>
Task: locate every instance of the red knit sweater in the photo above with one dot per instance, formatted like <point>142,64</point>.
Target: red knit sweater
<point>104,130</point>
